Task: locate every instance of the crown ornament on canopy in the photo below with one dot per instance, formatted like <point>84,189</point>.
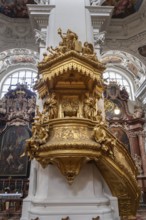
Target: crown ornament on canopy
<point>71,130</point>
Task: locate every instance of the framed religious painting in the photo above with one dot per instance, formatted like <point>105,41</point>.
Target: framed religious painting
<point>13,161</point>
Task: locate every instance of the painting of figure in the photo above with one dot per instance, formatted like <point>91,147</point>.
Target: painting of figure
<point>123,8</point>
<point>15,8</point>
<point>12,160</point>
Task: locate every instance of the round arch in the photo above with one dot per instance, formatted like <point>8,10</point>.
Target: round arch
<point>21,75</point>
<point>14,61</point>
<point>127,65</point>
<point>116,74</point>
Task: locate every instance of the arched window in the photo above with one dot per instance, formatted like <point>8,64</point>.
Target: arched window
<point>112,75</point>
<point>22,76</point>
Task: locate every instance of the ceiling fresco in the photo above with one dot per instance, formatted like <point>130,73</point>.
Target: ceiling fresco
<point>123,8</point>
<point>15,8</point>
<point>18,9</point>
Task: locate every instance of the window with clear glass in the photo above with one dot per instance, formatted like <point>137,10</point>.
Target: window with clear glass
<point>121,80</point>
<point>27,77</point>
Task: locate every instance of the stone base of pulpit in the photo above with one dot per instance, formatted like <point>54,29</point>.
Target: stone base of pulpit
<point>52,198</point>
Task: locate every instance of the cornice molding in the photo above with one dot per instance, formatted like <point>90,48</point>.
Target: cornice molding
<point>129,45</point>
<point>39,15</point>
<point>100,16</point>
<point>123,28</point>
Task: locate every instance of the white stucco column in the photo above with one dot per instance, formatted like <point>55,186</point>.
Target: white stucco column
<point>69,15</point>
<point>39,18</point>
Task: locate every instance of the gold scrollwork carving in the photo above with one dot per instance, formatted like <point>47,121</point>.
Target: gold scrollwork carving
<point>40,134</point>
<point>101,136</point>
<point>74,133</point>
<point>108,105</point>
<point>70,166</point>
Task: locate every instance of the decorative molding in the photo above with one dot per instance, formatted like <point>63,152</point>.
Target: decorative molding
<point>15,33</point>
<point>39,15</point>
<point>99,37</point>
<point>39,18</point>
<point>17,56</point>
<point>123,28</point>
<point>127,62</point>
<point>123,36</point>
<point>129,43</point>
<point>40,36</point>
<point>100,16</point>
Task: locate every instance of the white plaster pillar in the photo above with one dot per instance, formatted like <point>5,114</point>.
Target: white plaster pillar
<point>42,182</point>
<point>39,19</point>
<point>31,192</point>
<point>69,15</point>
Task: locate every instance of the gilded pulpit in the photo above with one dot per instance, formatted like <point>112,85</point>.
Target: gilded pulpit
<point>80,170</point>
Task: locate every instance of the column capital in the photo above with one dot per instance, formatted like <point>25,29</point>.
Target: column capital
<point>100,16</point>
<point>39,15</point>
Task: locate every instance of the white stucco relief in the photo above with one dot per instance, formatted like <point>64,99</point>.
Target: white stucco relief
<point>17,56</point>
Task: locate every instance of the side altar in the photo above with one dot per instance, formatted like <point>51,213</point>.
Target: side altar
<point>79,169</point>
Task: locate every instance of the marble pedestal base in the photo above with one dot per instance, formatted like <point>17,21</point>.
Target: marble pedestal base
<point>52,198</point>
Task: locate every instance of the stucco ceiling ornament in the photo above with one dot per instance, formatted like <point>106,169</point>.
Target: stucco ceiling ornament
<point>123,60</point>
<point>40,36</point>
<point>71,129</point>
<point>15,33</point>
<point>17,56</point>
<point>99,37</point>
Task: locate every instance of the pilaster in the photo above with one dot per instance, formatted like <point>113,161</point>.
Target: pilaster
<point>100,18</point>
<point>39,19</point>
